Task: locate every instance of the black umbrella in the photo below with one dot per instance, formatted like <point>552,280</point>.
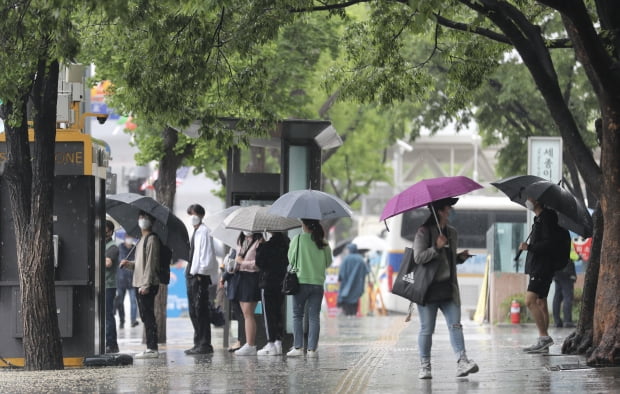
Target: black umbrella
<point>572,214</point>
<point>125,208</point>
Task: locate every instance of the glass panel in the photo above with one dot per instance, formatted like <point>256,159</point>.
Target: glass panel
<point>260,157</point>
<point>506,238</point>
<point>298,167</point>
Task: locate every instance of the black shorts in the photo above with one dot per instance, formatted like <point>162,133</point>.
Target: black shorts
<point>540,285</point>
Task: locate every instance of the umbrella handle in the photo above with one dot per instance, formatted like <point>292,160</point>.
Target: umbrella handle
<point>521,251</point>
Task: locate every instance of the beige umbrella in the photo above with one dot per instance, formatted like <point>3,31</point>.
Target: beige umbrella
<point>257,219</point>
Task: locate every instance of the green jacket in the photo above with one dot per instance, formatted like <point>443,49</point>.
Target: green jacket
<point>308,260</point>
<point>111,251</point>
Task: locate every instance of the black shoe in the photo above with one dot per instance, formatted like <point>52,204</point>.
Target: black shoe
<point>135,323</point>
<point>122,326</point>
<point>569,325</point>
<point>198,350</point>
<point>111,349</point>
<point>559,325</point>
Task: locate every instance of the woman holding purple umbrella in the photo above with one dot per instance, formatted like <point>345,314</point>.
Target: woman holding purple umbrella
<point>437,240</point>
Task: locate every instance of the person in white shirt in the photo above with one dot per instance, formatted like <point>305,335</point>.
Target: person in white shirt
<point>201,271</point>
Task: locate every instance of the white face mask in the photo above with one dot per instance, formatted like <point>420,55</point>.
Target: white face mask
<point>529,205</point>
<point>267,236</point>
<point>144,223</point>
<point>196,220</point>
<point>247,233</point>
<point>129,241</point>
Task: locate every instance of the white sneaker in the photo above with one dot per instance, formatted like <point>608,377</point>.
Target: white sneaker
<point>278,346</point>
<point>246,350</point>
<point>313,354</point>
<point>268,350</point>
<point>148,353</point>
<point>295,353</point>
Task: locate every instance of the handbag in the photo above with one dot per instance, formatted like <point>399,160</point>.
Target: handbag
<point>229,261</point>
<point>217,315</point>
<point>290,284</point>
<point>413,280</point>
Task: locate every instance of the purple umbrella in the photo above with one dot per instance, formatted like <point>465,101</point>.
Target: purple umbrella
<point>426,191</point>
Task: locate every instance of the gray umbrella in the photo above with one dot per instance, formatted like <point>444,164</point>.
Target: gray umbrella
<point>310,204</point>
<point>257,219</point>
<point>125,208</point>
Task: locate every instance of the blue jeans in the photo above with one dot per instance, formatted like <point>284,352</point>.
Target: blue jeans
<point>133,304</point>
<point>428,317</point>
<point>310,296</point>
<point>110,322</point>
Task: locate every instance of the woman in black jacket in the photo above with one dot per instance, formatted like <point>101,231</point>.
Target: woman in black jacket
<point>272,260</point>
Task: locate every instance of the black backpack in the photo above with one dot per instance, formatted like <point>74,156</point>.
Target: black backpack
<point>563,245</point>
<point>165,258</point>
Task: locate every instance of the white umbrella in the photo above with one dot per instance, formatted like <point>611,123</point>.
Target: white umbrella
<point>370,242</point>
<point>257,219</point>
<point>310,204</point>
<point>215,223</point>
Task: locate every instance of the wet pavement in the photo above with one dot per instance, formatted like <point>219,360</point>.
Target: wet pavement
<point>360,355</point>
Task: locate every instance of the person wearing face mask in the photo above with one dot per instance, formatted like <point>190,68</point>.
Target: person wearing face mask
<point>247,292</point>
<point>200,273</point>
<point>272,260</point>
<point>111,266</point>
<point>146,281</point>
<point>541,250</point>
<point>437,240</point>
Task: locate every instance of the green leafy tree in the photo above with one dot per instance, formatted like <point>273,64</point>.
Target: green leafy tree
<point>387,75</point>
<point>35,37</point>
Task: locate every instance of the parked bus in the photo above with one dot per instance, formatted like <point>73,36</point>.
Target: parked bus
<point>474,215</point>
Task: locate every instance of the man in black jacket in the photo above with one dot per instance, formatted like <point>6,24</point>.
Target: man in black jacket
<point>539,265</point>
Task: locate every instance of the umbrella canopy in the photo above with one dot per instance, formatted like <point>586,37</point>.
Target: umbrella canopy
<point>258,219</point>
<point>215,223</point>
<point>572,214</point>
<point>363,243</point>
<point>310,204</point>
<point>426,191</point>
<point>126,207</point>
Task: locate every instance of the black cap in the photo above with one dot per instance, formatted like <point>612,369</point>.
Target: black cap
<point>444,202</point>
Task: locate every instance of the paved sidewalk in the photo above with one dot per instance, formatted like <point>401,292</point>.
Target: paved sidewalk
<point>371,355</point>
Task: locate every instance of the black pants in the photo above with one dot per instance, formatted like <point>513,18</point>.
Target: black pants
<point>563,297</point>
<point>199,311</point>
<point>272,313</point>
<point>349,309</point>
<point>146,305</point>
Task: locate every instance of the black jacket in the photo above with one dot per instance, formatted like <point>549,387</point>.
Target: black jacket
<point>272,260</point>
<point>542,246</point>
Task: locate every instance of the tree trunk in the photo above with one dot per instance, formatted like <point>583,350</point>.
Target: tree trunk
<point>166,188</point>
<point>30,181</point>
<point>606,337</point>
<point>580,341</point>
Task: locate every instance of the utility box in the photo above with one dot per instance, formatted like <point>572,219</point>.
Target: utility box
<point>79,246</point>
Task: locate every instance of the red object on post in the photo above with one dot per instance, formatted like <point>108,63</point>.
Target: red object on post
<point>515,312</point>
<point>390,275</point>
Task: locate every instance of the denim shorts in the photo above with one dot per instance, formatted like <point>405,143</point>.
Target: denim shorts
<point>540,285</point>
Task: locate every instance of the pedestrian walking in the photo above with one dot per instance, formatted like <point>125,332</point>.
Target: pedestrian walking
<point>542,251</point>
<point>310,254</point>
<point>436,240</point>
<point>111,266</point>
<point>124,286</point>
<point>564,281</point>
<point>247,291</point>
<point>352,277</point>
<point>272,260</point>
<point>200,273</point>
<point>146,281</point>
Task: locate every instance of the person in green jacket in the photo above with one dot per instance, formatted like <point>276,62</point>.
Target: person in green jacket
<point>309,255</point>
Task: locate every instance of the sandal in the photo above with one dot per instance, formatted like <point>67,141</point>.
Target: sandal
<point>235,347</point>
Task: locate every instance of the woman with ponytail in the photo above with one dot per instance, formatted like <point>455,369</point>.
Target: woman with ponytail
<point>309,255</point>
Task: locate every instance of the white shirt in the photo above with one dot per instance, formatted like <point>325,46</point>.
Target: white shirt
<point>203,259</point>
